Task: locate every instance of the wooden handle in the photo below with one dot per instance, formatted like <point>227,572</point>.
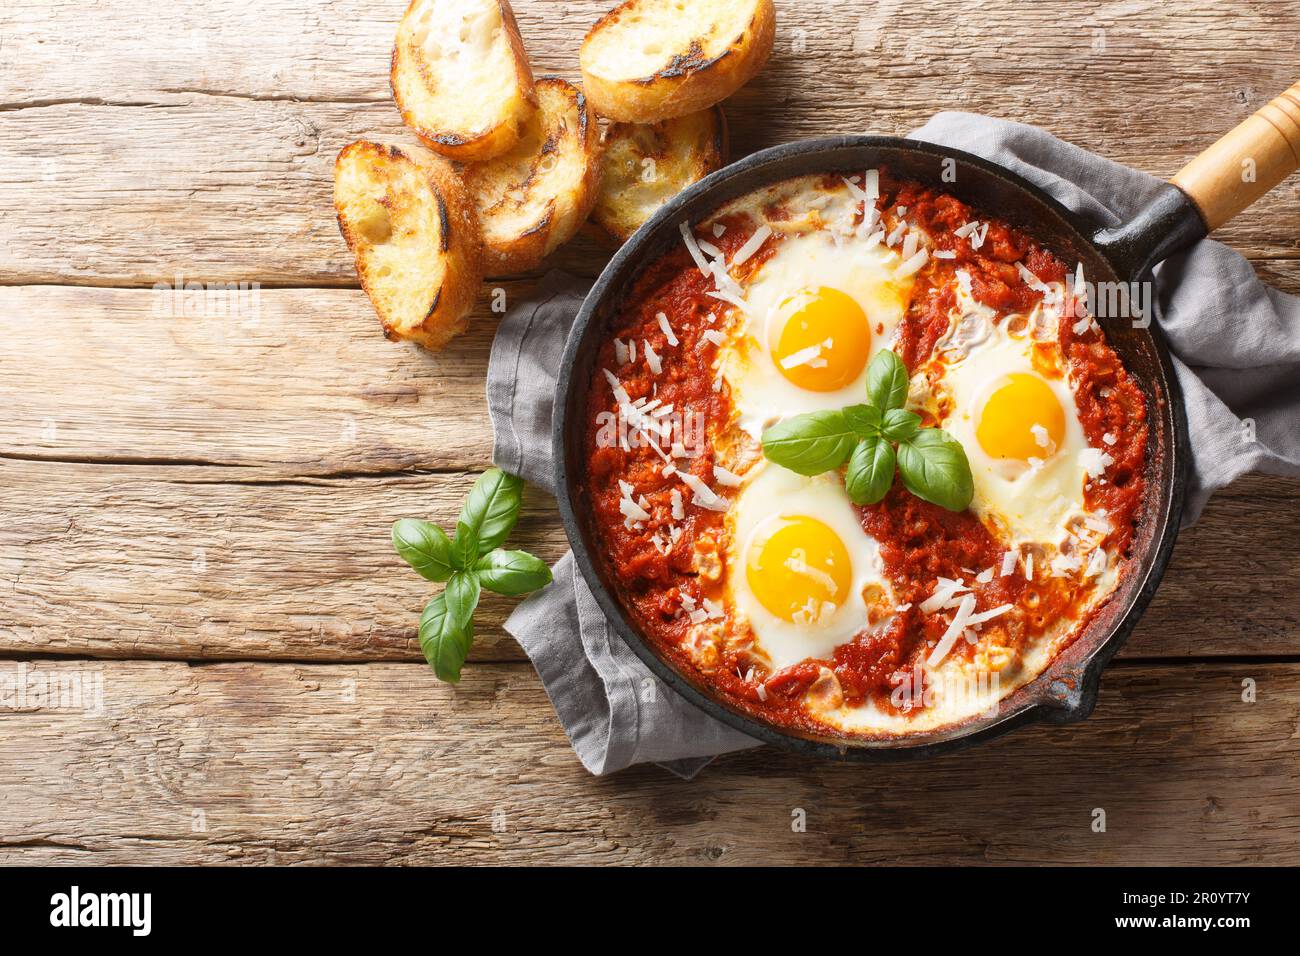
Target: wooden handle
<point>1247,162</point>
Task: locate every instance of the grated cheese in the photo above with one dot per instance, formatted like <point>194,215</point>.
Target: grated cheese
<point>1008,563</point>
<point>726,478</point>
<point>959,621</point>
<point>704,496</point>
<point>914,264</point>
<point>693,247</point>
<point>667,329</point>
<point>945,591</point>
<point>755,243</point>
<point>1095,462</point>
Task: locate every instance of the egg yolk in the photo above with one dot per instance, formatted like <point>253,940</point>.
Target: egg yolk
<point>825,341</point>
<point>799,569</point>
<point>1007,421</point>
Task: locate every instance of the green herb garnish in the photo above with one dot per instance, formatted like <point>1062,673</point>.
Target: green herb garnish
<point>469,562</point>
<point>876,439</point>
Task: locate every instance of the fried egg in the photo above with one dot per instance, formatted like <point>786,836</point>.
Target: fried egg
<point>801,570</point>
<point>818,309</point>
<point>1001,388</point>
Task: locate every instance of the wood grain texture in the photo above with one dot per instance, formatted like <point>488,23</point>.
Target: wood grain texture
<point>209,152</point>
<point>264,763</point>
<point>195,562</point>
<point>301,382</point>
<point>201,502</point>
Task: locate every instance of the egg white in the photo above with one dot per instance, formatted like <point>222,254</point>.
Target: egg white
<point>837,257</point>
<point>774,492</point>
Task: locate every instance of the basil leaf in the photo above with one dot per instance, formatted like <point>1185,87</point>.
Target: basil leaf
<point>863,419</point>
<point>934,468</point>
<point>492,508</point>
<point>810,444</point>
<point>871,471</point>
<point>512,572</point>
<point>464,547</point>
<point>444,640</point>
<point>425,547</point>
<point>462,595</point>
<point>898,424</point>
<point>887,381</point>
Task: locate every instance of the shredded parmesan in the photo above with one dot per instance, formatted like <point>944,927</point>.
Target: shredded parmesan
<point>1096,564</point>
<point>945,591</point>
<point>983,617</point>
<point>801,357</point>
<point>755,243</point>
<point>959,622</point>
<point>914,264</point>
<point>667,329</point>
<point>1095,462</point>
<point>704,496</point>
<point>1008,563</point>
<point>726,478</point>
<point>1032,280</point>
<point>944,254</point>
<point>679,510</point>
<point>630,509</point>
<point>714,336</point>
<point>693,247</point>
<point>910,245</point>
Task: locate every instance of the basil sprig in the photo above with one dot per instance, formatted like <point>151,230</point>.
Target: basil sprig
<point>876,439</point>
<point>469,562</point>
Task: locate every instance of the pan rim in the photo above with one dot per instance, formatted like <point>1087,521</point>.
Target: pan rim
<point>1066,706</point>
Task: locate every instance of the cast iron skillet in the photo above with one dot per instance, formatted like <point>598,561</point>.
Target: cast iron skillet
<point>1209,191</point>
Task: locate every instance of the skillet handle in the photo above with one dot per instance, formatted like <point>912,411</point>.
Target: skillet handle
<point>1247,162</point>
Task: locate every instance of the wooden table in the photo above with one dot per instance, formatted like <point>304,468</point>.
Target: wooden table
<point>194,508</point>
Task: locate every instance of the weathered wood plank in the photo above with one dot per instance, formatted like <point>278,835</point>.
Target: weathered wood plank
<point>257,763</point>
<point>299,381</point>
<point>203,562</point>
<point>129,155</point>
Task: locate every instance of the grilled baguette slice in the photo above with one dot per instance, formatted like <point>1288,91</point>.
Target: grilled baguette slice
<point>410,223</point>
<point>460,76</point>
<point>645,166</point>
<point>534,198</point>
<point>651,60</point>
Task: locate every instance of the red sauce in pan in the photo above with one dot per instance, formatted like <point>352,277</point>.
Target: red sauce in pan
<point>919,542</point>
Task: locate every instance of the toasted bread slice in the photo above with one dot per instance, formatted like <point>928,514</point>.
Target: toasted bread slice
<point>645,166</point>
<point>651,60</point>
<point>534,198</point>
<point>460,76</point>
<point>410,223</point>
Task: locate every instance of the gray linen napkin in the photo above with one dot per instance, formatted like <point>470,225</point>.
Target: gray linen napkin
<point>1237,346</point>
